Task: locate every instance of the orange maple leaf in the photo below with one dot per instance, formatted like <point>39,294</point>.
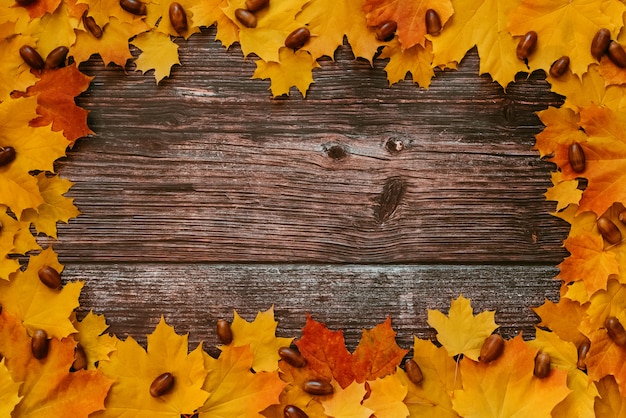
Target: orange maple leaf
<point>409,15</point>
<point>610,403</point>
<point>563,318</point>
<point>377,354</point>
<point>605,154</point>
<point>507,387</point>
<point>588,262</point>
<point>55,98</point>
<point>607,358</point>
<point>49,388</point>
<point>325,352</point>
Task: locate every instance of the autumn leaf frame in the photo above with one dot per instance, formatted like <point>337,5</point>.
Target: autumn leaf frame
<point>470,371</point>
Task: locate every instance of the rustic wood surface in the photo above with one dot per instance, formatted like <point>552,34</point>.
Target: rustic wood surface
<point>203,194</point>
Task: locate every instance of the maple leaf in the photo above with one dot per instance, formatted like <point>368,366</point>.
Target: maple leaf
<point>416,60</point>
<point>331,20</point>
<point>607,358</point>
<point>40,9</point>
<point>38,306</point>
<point>562,129</point>
<point>410,17</point>
<point>386,397</point>
<point>346,402</point>
<point>91,337</point>
<point>565,28</point>
<point>294,394</point>
<point>234,390</point>
<point>53,29</point>
<point>209,12</point>
<point>15,238</point>
<point>49,388</point>
<point>461,332</point>
<point>481,23</point>
<point>14,73</point>
<point>610,72</point>
<point>274,24</point>
<point>9,391</point>
<point>610,403</point>
<point>431,397</point>
<point>55,93</point>
<point>159,53</point>
<point>606,180</point>
<point>563,355</point>
<point>377,354</point>
<point>294,69</point>
<point>564,192</point>
<point>135,369</point>
<point>589,89</point>
<point>604,303</point>
<point>325,352</point>
<point>260,334</point>
<point>588,262</point>
<point>112,46</point>
<point>56,207</point>
<point>35,149</point>
<point>507,387</point>
<point>563,318</point>
<point>158,17</point>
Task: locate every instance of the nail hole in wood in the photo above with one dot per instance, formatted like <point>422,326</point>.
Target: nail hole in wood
<point>336,152</point>
<point>389,199</point>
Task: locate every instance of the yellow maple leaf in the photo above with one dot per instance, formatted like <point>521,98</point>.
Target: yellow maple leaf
<point>158,17</point>
<point>209,12</point>
<point>15,238</point>
<point>564,192</point>
<point>135,369</point>
<point>461,332</point>
<point>53,30</point>
<point>346,402</point>
<point>35,149</point>
<point>562,128</point>
<point>589,89</point>
<point>91,337</point>
<point>610,403</point>
<point>158,53</point>
<point>56,207</point>
<point>103,10</point>
<point>35,304</point>
<point>565,28</point>
<point>604,303</point>
<point>112,46</point>
<point>409,16</point>
<point>274,24</point>
<point>507,387</point>
<point>481,23</point>
<point>331,20</point>
<point>260,334</point>
<point>294,69</point>
<point>14,74</point>
<point>9,391</point>
<point>386,397</point>
<point>431,397</point>
<point>416,60</point>
<point>235,390</point>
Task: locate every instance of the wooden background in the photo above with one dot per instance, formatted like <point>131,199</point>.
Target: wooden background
<point>203,194</point>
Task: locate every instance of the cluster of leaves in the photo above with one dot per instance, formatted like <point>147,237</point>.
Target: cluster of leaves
<point>40,120</point>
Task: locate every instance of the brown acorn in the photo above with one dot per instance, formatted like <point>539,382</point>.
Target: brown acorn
<point>492,348</point>
<point>224,332</point>
<point>297,38</point>
<point>162,385</point>
<point>318,387</point>
<point>291,356</point>
<point>413,371</point>
<point>7,155</point>
<point>542,365</point>
<point>615,330</point>
<point>433,22</point>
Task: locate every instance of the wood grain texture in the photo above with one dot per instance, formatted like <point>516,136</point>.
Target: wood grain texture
<point>207,167</point>
<point>203,194</point>
<point>192,297</point>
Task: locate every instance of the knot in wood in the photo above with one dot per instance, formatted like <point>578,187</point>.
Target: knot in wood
<point>337,152</point>
<point>394,145</point>
<point>389,199</point>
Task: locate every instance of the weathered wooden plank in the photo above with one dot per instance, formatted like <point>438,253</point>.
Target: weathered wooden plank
<point>192,297</point>
<point>206,167</point>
